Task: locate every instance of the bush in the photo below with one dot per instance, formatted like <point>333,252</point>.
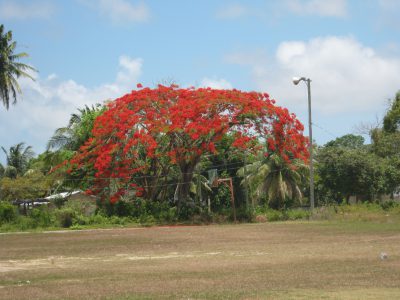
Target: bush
<point>124,208</point>
<point>388,205</point>
<point>65,217</point>
<point>59,201</point>
<point>25,223</point>
<point>169,215</point>
<point>80,220</point>
<point>297,214</point>
<point>98,219</point>
<point>41,217</point>
<point>244,215</point>
<point>274,215</point>
<point>147,220</point>
<point>8,212</point>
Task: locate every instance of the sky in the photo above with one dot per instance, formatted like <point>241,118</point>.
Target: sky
<point>89,51</point>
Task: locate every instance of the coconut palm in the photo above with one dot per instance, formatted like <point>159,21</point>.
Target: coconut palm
<point>200,187</point>
<point>78,130</point>
<point>18,157</point>
<point>275,178</point>
<point>2,170</point>
<point>10,68</point>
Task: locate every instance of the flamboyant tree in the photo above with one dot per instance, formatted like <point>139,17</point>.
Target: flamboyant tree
<point>144,135</point>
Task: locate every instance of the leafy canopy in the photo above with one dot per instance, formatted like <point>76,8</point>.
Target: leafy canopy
<point>143,133</point>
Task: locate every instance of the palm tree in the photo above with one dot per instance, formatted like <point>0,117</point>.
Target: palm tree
<point>2,170</point>
<point>78,130</point>
<point>275,178</point>
<point>10,69</point>
<point>199,186</point>
<point>18,157</point>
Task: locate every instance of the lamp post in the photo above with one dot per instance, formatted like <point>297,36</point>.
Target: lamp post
<point>296,81</point>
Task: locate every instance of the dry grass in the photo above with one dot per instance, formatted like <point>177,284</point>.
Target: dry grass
<point>259,261</point>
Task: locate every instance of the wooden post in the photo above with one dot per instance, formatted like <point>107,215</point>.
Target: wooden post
<point>230,186</point>
<point>233,200</point>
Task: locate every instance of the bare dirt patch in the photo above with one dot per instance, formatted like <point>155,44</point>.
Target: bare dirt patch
<point>297,260</point>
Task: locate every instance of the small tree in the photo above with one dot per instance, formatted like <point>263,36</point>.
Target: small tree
<point>275,178</point>
<point>18,157</point>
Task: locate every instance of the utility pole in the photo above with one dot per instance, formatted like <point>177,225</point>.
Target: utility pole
<point>308,81</point>
<point>296,81</point>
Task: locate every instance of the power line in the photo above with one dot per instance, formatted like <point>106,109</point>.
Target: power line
<point>325,130</point>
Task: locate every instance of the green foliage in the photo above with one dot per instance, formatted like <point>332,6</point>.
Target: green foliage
<point>244,215</point>
<point>273,215</point>
<point>389,205</point>
<point>78,130</point>
<point>41,217</point>
<point>10,172</point>
<point>10,68</point>
<point>391,121</point>
<point>298,214</point>
<point>18,156</point>
<point>221,199</point>
<point>385,144</point>
<point>343,172</point>
<point>348,141</point>
<point>2,170</point>
<point>277,179</point>
<point>65,217</point>
<point>46,161</point>
<point>31,186</point>
<point>59,201</point>
<point>8,212</point>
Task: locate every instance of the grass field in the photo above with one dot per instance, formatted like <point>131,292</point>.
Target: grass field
<point>291,260</point>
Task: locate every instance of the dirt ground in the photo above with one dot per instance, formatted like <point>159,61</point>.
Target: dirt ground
<point>291,260</point>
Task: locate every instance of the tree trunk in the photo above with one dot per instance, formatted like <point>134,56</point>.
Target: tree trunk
<point>182,193</point>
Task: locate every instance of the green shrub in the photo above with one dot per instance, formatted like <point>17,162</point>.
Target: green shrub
<point>65,217</point>
<point>59,201</point>
<point>98,219</point>
<point>80,220</point>
<point>124,208</point>
<point>8,212</point>
<point>244,215</point>
<point>388,205</point>
<point>117,220</point>
<point>297,214</point>
<point>169,215</point>
<point>41,217</point>
<point>274,215</point>
<point>147,220</point>
<point>25,223</point>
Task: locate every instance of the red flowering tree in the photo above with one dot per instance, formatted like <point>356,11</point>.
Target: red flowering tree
<point>143,135</point>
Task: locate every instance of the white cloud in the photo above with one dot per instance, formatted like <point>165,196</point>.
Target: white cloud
<point>130,68</point>
<point>330,8</point>
<point>232,11</point>
<point>346,75</point>
<point>120,11</point>
<point>47,104</point>
<point>214,83</point>
<point>22,10</point>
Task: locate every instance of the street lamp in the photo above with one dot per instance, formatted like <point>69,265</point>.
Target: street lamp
<point>296,81</point>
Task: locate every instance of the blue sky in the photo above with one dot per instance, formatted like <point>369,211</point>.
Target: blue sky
<point>88,51</point>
